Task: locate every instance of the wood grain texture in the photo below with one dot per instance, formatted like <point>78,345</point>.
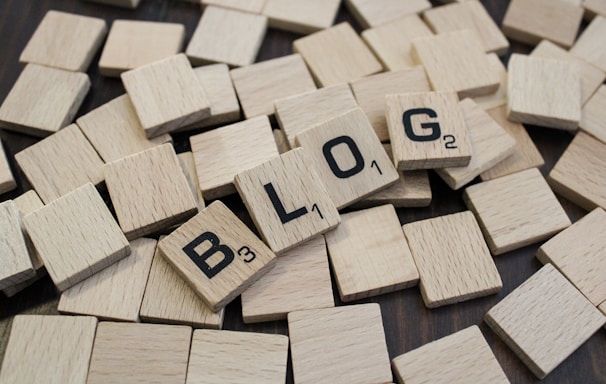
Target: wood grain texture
<point>281,140</point>
<point>589,46</point>
<point>7,180</point>
<point>301,16</point>
<point>460,358</point>
<point>544,320</point>
<point>500,96</point>
<point>594,7</point>
<point>339,345</point>
<point>252,6</point>
<point>15,265</point>
<point>594,115</point>
<point>188,165</point>
<point>259,356</point>
<point>372,13</point>
<point>516,210</point>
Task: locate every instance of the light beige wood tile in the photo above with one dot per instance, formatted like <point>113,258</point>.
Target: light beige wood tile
<point>252,6</point>
<point>594,115</point>
<point>287,201</point>
<point>455,61</point>
<point>441,139</point>
<point>139,353</point>
<point>500,96</point>
<point>544,320</point>
<point>222,153</point>
<point>281,141</point>
<point>459,358</point>
<point>188,165</point>
<point>65,41</point>
<point>149,191</point>
<point>301,16</point>
<point>594,7</point>
<point>372,13</point>
<point>119,3</point>
<point>43,100</point>
<point>370,93</point>
<point>337,55</point>
<point>15,265</point>
<point>451,248</point>
<point>603,308</point>
<point>259,356</point>
<point>61,346</point>
<point>516,210</point>
<point>589,46</point>
<point>260,84</point>
<point>339,345</point>
<point>7,180</point>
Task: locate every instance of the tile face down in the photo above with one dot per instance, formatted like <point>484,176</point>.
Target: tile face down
<point>589,46</point>
<point>15,264</point>
<point>301,16</point>
<point>372,13</point>
<point>594,115</point>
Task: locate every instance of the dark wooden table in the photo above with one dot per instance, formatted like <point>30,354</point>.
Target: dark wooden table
<point>408,324</point>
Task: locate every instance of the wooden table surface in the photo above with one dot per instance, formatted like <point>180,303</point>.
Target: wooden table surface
<point>408,324</point>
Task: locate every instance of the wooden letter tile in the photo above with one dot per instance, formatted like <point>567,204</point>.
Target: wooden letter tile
<point>516,210</point>
<point>226,357</point>
<point>594,115</point>
<point>589,46</point>
<point>287,201</point>
<point>7,180</point>
<point>500,96</point>
<point>544,320</point>
<point>301,16</point>
<point>15,264</point>
<point>451,248</point>
<point>372,13</point>
<point>344,345</point>
<point>188,164</point>
<point>281,141</point>
<point>252,6</point>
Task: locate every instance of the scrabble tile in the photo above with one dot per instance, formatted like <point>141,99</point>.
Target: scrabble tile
<point>61,163</point>
<point>60,345</point>
<point>65,41</point>
<point>119,3</point>
<point>301,16</point>
<point>460,358</point>
<point>287,201</point>
<point>43,100</point>
<point>116,292</point>
<point>372,13</point>
<point>259,356</point>
<point>217,280</point>
<point>149,191</point>
<point>446,145</point>
<point>468,15</point>
<point>76,236</point>
<point>146,353</point>
<point>603,308</point>
<point>516,210</point>
<point>227,36</point>
<point>188,165</point>
<point>15,265</point>
<point>299,281</point>
<point>337,55</point>
<point>252,6</point>
<point>594,7</point>
<point>166,95</point>
<point>260,84</point>
<point>370,93</point>
<point>339,345</point>
<point>7,180</point>
<point>579,173</point>
<point>348,158</point>
<point>281,141</point>
<point>393,53</point>
<point>115,132</point>
<point>222,153</point>
<point>500,96</point>
<point>525,155</point>
<point>369,254</point>
<point>300,112</point>
<point>455,61</point>
<point>490,145</point>
<point>589,46</point>
<point>594,114</point>
<point>544,320</point>
<point>451,248</point>
<point>544,92</point>
<point>131,44</point>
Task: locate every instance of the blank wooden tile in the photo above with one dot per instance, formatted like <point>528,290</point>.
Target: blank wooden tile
<point>339,345</point>
<point>463,357</point>
<point>589,46</point>
<point>516,210</point>
<point>531,21</point>
<point>227,357</point>
<point>579,173</point>
<point>525,155</point>
<point>594,7</point>
<point>60,345</point>
<point>65,41</point>
<point>451,249</point>
<point>594,115</point>
<point>43,100</point>
<point>188,165</point>
<point>15,265</point>
<point>7,180</point>
<point>490,145</point>
<point>61,163</point>
<point>544,320</point>
<point>372,13</point>
<point>370,93</point>
<point>222,153</point>
<point>455,61</point>
<point>166,95</point>
<point>440,141</point>
<point>300,112</point>
<point>337,55</point>
<point>149,191</point>
<point>142,353</point>
<point>287,201</point>
<point>132,43</point>
<point>252,6</point>
<point>116,292</point>
<point>217,280</point>
<point>119,3</point>
<point>301,16</point>
<point>299,281</point>
<point>281,141</point>
<point>76,236</point>
<point>500,96</point>
<point>227,36</point>
<point>260,84</point>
